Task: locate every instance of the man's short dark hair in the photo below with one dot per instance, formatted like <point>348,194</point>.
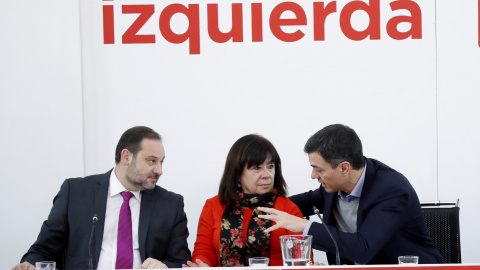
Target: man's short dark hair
<point>336,144</point>
<point>132,138</point>
<point>249,150</point>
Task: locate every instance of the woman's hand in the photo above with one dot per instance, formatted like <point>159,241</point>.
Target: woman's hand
<point>283,220</point>
<point>198,263</point>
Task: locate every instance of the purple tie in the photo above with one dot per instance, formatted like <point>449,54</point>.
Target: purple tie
<point>124,239</point>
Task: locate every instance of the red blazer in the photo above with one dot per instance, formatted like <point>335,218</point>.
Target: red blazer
<point>208,233</point>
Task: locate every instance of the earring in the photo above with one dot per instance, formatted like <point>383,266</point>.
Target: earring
<point>239,185</point>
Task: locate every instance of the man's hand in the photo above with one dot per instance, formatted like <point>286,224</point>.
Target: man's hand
<point>198,264</point>
<point>152,263</point>
<point>24,266</point>
<point>283,220</point>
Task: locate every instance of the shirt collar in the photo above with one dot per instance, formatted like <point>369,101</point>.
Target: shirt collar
<point>357,190</point>
<point>116,187</point>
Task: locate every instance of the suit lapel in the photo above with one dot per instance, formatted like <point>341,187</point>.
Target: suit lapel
<point>146,208</point>
<point>101,193</point>
<point>364,196</point>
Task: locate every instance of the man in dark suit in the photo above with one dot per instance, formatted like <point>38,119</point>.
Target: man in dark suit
<point>371,210</point>
<point>153,225</point>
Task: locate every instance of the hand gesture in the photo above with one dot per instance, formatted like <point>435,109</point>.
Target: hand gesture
<point>283,220</point>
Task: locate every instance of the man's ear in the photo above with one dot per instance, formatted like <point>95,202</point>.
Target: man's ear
<point>345,167</point>
<point>126,157</point>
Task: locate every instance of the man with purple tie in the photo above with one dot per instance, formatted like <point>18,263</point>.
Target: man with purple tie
<point>117,220</point>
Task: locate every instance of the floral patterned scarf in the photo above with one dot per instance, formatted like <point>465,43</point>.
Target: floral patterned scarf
<point>232,251</point>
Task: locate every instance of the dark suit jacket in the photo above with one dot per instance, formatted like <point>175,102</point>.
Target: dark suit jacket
<point>390,221</point>
<point>162,228</point>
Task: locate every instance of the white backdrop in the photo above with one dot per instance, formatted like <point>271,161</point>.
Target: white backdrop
<point>412,102</point>
<point>458,126</point>
<point>41,115</point>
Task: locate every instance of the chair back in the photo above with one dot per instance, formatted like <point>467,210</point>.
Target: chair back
<point>444,225</point>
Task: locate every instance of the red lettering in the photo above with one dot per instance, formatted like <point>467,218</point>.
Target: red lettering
<point>257,22</point>
<point>296,18</point>
<point>415,20</point>
<point>108,25</point>
<point>236,32</point>
<point>320,14</point>
<point>373,11</point>
<point>145,11</point>
<point>192,33</point>
<point>276,23</point>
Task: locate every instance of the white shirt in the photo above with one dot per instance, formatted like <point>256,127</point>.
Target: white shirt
<point>108,253</point>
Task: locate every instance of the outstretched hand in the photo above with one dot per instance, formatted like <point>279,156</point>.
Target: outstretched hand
<point>198,263</point>
<point>283,220</point>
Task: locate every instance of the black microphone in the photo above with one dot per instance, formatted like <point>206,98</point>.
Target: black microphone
<point>337,254</point>
<point>91,243</point>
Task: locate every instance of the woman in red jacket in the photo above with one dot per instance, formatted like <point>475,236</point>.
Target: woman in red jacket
<point>229,230</point>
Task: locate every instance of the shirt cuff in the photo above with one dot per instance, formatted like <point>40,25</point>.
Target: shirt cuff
<point>307,227</point>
